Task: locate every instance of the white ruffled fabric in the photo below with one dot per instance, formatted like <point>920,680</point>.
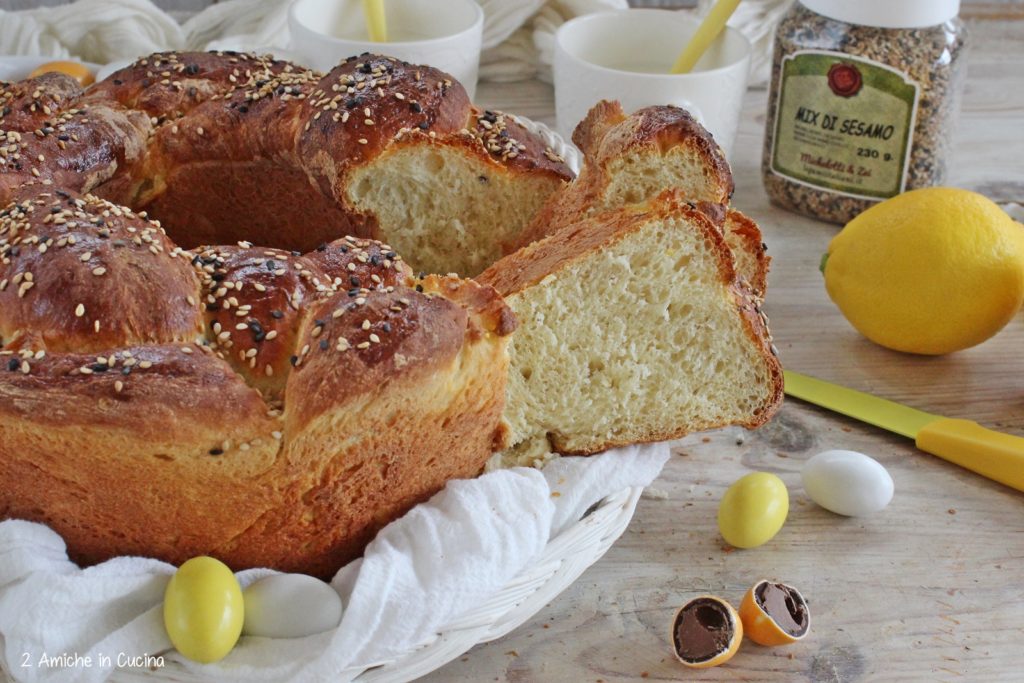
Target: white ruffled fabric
<point>424,570</point>
<point>518,34</point>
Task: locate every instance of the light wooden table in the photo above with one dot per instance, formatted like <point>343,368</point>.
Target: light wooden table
<point>930,589</point>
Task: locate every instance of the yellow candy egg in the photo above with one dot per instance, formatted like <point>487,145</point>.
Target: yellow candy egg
<point>753,510</point>
<point>80,72</point>
<point>203,610</point>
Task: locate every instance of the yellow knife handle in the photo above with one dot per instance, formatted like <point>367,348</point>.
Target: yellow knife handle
<point>995,455</point>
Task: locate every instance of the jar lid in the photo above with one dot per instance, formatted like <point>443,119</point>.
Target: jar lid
<point>887,13</point>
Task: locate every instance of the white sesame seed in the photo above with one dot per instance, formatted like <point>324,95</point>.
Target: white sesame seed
<point>79,310</point>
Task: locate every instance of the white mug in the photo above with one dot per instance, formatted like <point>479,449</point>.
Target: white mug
<point>445,35</point>
<point>626,55</point>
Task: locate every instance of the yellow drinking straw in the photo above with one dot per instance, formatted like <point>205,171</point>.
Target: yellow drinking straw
<point>376,24</point>
<point>706,33</point>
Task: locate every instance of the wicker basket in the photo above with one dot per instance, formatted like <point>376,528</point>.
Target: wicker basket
<point>566,557</point>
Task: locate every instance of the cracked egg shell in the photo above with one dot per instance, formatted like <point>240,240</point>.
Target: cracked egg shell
<point>774,614</point>
<point>706,632</point>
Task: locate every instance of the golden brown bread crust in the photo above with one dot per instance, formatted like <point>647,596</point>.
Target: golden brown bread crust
<point>749,250</point>
<point>607,135</point>
<point>48,136</point>
<point>78,273</point>
<point>531,265</point>
<point>127,443</point>
<point>256,298</point>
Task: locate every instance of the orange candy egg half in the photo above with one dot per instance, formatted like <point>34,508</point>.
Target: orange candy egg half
<point>76,70</point>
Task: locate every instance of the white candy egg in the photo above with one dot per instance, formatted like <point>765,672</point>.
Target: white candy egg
<point>847,483</point>
<point>290,606</point>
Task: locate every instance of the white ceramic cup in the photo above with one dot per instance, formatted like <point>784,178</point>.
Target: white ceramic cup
<point>626,55</point>
<point>446,35</point>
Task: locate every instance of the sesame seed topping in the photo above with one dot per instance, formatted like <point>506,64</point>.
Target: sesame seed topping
<point>79,310</point>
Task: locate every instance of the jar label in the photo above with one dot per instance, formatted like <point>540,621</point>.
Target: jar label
<point>843,124</point>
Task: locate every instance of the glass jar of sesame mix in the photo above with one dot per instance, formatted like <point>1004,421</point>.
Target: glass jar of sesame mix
<point>863,100</point>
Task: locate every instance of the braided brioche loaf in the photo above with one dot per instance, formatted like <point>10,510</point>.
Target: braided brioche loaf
<point>276,405</point>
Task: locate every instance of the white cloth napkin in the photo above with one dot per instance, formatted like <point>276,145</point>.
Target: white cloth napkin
<point>518,34</point>
<point>442,559</point>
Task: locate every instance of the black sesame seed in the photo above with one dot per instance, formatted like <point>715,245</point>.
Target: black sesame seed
<point>13,364</point>
<point>216,451</point>
<point>354,281</point>
<point>271,264</point>
<point>423,125</point>
<point>276,315</point>
<point>99,367</point>
<point>293,360</point>
<point>217,277</point>
<point>322,247</point>
<point>192,69</point>
<point>386,327</point>
<point>419,288</point>
<point>323,344</point>
<point>415,106</point>
<point>354,291</point>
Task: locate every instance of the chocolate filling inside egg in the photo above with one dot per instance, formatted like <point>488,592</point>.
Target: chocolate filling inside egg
<point>703,629</point>
<point>785,606</point>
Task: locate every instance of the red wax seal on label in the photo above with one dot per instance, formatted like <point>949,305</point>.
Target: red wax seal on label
<point>844,79</point>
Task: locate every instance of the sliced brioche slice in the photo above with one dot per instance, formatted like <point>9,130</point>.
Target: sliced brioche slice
<point>630,159</point>
<point>634,327</point>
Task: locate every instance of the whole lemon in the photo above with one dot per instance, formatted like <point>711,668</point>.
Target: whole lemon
<point>929,271</point>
